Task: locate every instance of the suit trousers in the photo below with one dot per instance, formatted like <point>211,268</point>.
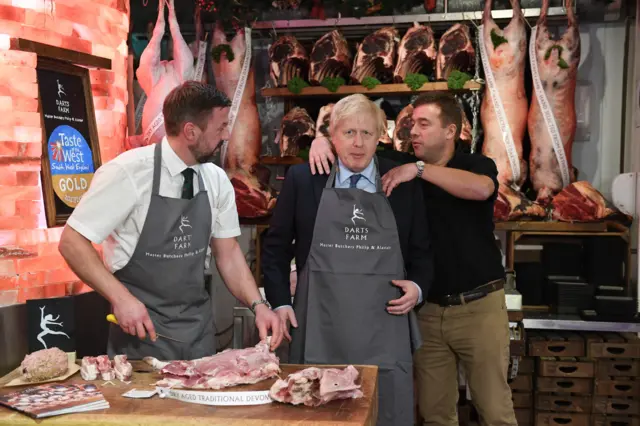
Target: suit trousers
<point>477,335</point>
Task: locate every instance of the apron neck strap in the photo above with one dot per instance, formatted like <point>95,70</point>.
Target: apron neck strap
<point>157,164</point>
<point>334,169</point>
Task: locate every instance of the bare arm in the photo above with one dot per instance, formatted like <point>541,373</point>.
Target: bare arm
<point>148,71</point>
<point>459,183</point>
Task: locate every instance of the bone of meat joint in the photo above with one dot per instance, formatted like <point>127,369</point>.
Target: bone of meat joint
<point>122,368</point>
<point>455,52</point>
<point>316,386</point>
<point>228,368</point>
<point>89,368</point>
<point>507,61</point>
<point>105,367</point>
<point>156,77</point>
<point>402,131</point>
<point>581,202</point>
<point>514,205</point>
<point>288,59</point>
<point>416,53</point>
<point>376,56</point>
<point>254,197</point>
<point>558,68</point>
<point>330,57</point>
<point>298,131</point>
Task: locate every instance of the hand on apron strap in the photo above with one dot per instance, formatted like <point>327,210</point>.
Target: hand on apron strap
<point>404,304</point>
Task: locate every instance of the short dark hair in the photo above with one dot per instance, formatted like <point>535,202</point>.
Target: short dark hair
<point>450,110</point>
<point>192,101</point>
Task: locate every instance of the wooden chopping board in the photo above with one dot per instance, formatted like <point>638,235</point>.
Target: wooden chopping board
<point>170,412</point>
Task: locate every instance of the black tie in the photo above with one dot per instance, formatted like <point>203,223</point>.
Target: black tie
<point>187,187</point>
<point>354,180</point>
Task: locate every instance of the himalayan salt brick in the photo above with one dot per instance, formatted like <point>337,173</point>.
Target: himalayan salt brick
<point>8,208</point>
<point>55,290</point>
<point>18,222</point>
<point>47,22</point>
<point>27,74</point>
<point>17,118</point>
<point>32,279</point>
<point>63,275</point>
<point>8,283</point>
<point>7,267</point>
<point>21,193</point>
<point>48,249</point>
<point>8,298</point>
<point>7,103</point>
<point>7,149</point>
<point>41,36</point>
<point>54,234</point>
<point>15,85</point>
<point>101,77</point>
<point>76,44</point>
<point>5,39</point>
<point>10,13</point>
<point>8,237</point>
<point>28,178</point>
<point>103,102</point>
<point>16,58</point>
<point>29,207</point>
<point>30,150</point>
<point>38,264</point>
<point>31,236</point>
<point>103,51</point>
<point>8,177</point>
<point>28,135</point>
<point>30,293</point>
<point>43,6</point>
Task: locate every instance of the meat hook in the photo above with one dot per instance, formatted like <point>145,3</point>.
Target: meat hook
<point>464,14</point>
<point>273,27</point>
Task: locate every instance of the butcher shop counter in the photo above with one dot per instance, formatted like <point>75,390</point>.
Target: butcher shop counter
<point>169,412</point>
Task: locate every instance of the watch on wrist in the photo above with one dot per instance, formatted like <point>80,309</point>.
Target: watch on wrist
<point>259,302</point>
<point>420,166</point>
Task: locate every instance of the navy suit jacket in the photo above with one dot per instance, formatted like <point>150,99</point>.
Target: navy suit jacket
<point>294,219</point>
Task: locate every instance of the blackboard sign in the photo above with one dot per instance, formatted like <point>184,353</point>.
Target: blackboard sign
<point>70,143</point>
<point>51,323</point>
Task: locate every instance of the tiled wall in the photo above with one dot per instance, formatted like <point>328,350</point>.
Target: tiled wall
<point>30,265</point>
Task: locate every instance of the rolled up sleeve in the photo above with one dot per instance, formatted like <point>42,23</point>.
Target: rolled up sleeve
<point>226,223</point>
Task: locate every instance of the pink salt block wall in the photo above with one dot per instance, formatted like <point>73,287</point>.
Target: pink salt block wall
<point>30,265</point>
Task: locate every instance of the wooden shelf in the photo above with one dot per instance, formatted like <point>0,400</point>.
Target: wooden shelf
<point>381,89</point>
<point>552,226</point>
<point>280,161</point>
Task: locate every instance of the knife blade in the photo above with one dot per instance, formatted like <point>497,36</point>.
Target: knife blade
<point>112,319</point>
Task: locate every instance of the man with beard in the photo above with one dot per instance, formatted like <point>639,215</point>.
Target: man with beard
<point>158,210</point>
<point>465,318</point>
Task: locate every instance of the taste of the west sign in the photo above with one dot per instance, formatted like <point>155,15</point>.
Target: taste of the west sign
<point>70,152</point>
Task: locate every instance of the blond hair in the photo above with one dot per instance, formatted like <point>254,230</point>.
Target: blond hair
<point>353,105</point>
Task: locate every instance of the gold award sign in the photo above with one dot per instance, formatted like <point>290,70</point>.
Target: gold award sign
<point>71,163</point>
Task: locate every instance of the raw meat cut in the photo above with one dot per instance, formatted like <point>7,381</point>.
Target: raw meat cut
<point>557,66</point>
<point>402,131</point>
<point>228,368</point>
<point>465,132</point>
<point>297,132</point>
<point>317,386</point>
<point>157,78</point>
<point>254,197</point>
<point>330,57</point>
<point>416,53</point>
<point>455,52</point>
<point>105,367</point>
<point>581,202</point>
<point>514,205</point>
<point>505,53</point>
<point>122,368</point>
<point>44,364</point>
<point>376,56</point>
<point>288,59</point>
<point>89,368</point>
<point>322,123</point>
<point>430,5</point>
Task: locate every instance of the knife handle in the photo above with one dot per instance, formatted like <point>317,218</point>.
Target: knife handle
<point>112,318</point>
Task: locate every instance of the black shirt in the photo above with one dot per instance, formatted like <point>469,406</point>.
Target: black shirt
<point>465,251</point>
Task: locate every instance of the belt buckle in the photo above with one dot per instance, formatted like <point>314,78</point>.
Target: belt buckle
<point>448,301</point>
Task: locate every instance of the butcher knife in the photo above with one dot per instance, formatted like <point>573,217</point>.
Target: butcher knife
<point>112,318</point>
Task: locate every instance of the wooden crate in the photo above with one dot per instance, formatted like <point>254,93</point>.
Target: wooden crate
<point>562,385</point>
<point>563,403</point>
<point>521,383</point>
<point>524,417</point>
<point>621,386</point>
<point>556,344</point>
<point>527,365</point>
<point>599,420</point>
<point>562,419</point>
<point>566,367</point>
<point>615,406</point>
<point>617,368</point>
<point>613,345</point>
<point>522,399</point>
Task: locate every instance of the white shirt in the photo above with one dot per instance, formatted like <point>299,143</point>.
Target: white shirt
<point>115,207</point>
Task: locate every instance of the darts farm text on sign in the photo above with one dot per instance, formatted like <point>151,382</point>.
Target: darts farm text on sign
<point>71,153</point>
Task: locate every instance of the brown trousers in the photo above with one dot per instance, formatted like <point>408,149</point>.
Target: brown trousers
<point>477,335</point>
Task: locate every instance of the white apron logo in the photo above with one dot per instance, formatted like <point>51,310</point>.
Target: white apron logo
<point>357,214</point>
<point>184,222</point>
<point>181,243</point>
<point>356,233</point>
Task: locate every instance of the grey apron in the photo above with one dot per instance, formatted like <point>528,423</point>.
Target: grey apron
<point>166,273</point>
<point>342,292</point>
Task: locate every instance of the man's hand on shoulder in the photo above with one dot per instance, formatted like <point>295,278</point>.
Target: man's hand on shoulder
<point>267,320</point>
<point>398,175</point>
<point>320,155</point>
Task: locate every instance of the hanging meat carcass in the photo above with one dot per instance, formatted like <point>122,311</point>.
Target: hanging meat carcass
<point>254,197</point>
<point>297,132</point>
<point>402,131</point>
<point>503,112</point>
<point>581,202</point>
<point>157,78</point>
<point>288,58</point>
<point>455,52</point>
<point>376,56</point>
<point>513,205</point>
<point>417,53</point>
<point>330,57</point>
<point>554,68</point>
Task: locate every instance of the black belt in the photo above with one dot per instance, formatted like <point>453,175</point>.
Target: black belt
<point>470,296</point>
